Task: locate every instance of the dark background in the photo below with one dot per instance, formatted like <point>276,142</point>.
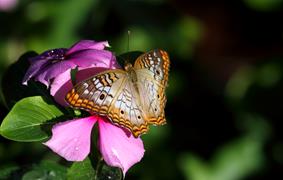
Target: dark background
<point>225,91</point>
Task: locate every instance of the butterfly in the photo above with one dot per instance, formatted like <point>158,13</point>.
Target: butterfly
<point>132,98</point>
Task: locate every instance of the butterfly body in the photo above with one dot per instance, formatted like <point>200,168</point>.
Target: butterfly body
<point>132,98</point>
<point>132,75</point>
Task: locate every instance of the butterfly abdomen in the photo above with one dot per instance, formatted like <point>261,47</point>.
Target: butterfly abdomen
<point>132,75</point>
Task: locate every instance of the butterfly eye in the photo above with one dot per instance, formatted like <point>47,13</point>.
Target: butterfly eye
<point>155,109</point>
<point>139,117</point>
<point>158,96</point>
<point>102,96</point>
<point>122,112</point>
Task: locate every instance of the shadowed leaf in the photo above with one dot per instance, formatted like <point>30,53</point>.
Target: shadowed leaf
<point>12,88</point>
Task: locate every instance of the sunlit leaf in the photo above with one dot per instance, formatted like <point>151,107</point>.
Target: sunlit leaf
<point>27,119</point>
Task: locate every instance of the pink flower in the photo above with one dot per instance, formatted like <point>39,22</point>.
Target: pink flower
<point>72,139</point>
<point>8,5</point>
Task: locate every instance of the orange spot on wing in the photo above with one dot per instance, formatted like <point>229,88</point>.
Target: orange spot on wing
<point>91,103</point>
<point>76,97</point>
<point>85,101</point>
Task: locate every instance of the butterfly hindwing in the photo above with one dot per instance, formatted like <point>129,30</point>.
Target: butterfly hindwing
<point>126,110</point>
<point>152,70</point>
<point>154,100</point>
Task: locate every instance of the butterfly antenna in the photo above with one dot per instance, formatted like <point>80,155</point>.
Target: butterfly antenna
<point>127,60</point>
<point>128,44</point>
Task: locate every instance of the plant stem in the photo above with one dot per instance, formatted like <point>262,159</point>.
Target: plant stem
<point>98,167</point>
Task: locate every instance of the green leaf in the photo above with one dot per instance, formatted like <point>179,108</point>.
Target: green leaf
<point>81,170</point>
<point>47,170</point>
<point>29,119</point>
<point>35,174</point>
<point>12,88</point>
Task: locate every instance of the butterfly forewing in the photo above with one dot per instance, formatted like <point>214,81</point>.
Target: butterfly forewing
<point>156,64</point>
<point>97,93</point>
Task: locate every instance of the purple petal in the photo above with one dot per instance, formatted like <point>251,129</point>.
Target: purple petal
<point>40,63</point>
<point>71,139</point>
<point>8,5</point>
<point>55,70</point>
<point>117,148</point>
<point>92,57</point>
<point>33,70</point>
<point>87,44</point>
<point>53,54</point>
<point>60,82</point>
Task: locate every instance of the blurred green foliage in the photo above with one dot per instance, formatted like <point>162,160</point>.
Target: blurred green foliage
<point>264,5</point>
<point>234,160</point>
<point>224,103</point>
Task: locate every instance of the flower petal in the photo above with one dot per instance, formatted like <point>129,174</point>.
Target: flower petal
<point>93,57</point>
<point>8,5</point>
<point>41,63</point>
<point>118,148</point>
<point>53,54</point>
<point>87,44</point>
<point>54,70</point>
<point>71,139</point>
<point>62,81</point>
<point>33,70</point>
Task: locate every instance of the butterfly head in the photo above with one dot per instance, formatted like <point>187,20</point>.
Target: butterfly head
<point>128,66</point>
